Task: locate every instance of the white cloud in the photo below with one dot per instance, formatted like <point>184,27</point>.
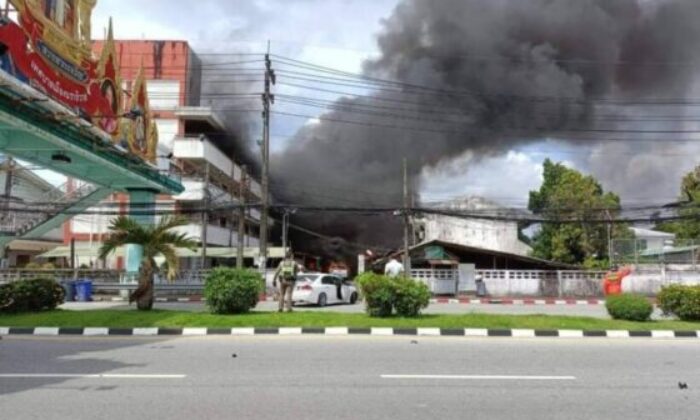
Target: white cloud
<point>506,179</point>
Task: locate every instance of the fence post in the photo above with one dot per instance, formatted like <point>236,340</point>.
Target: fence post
<point>508,283</point>
<point>663,274</point>
<point>455,274</point>
<point>560,287</point>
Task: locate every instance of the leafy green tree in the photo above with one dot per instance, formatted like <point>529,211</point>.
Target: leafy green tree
<point>158,239</point>
<point>689,226</point>
<point>571,201</point>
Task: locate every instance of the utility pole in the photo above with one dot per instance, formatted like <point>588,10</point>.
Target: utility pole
<point>268,99</point>
<point>285,220</point>
<point>232,193</point>
<point>205,216</point>
<point>413,221</point>
<point>610,242</point>
<point>241,217</point>
<point>406,221</point>
<point>9,173</point>
<point>285,228</point>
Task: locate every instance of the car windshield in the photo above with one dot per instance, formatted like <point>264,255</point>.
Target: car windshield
<point>307,277</point>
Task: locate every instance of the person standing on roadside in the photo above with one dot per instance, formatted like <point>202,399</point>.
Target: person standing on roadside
<point>287,272</point>
<point>393,268</point>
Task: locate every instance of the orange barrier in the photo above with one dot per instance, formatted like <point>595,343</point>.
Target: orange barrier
<point>612,284</point>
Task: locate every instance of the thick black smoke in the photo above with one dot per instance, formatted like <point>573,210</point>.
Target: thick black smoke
<point>519,70</point>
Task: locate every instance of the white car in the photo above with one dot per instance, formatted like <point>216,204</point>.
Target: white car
<point>323,289</point>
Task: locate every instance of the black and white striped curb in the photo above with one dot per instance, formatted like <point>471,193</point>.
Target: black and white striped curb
<point>344,331</point>
<point>463,301</point>
<point>193,299</point>
<point>511,301</point>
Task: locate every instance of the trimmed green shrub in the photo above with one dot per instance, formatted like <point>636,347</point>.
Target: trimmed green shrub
<point>681,301</point>
<point>670,298</point>
<point>6,297</point>
<point>410,297</point>
<point>629,307</point>
<point>378,293</point>
<point>383,295</point>
<point>232,291</point>
<point>31,296</point>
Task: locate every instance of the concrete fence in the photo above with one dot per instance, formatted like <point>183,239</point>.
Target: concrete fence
<point>646,280</point>
<point>501,283</point>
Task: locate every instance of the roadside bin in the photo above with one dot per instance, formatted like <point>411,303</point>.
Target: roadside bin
<point>480,287</point>
<point>83,291</point>
<point>69,291</point>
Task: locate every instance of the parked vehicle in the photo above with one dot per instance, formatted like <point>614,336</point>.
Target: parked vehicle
<point>323,289</point>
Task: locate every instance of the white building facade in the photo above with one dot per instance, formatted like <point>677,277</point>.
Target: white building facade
<point>493,235</point>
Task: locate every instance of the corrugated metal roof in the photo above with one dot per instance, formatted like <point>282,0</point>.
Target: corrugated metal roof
<point>523,258</point>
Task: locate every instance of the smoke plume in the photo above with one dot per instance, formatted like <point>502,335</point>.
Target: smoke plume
<point>502,73</point>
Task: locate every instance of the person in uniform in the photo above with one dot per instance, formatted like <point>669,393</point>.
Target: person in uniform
<point>287,272</point>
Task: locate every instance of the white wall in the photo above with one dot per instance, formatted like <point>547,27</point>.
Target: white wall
<point>98,224</point>
<point>487,234</point>
<point>652,242</point>
<point>216,235</point>
<point>163,95</point>
<point>202,150</point>
<point>167,131</point>
<point>194,191</point>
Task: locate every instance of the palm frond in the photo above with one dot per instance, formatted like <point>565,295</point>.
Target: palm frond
<point>169,222</point>
<point>110,245</point>
<point>125,224</point>
<point>171,259</point>
<point>156,239</point>
<point>178,240</point>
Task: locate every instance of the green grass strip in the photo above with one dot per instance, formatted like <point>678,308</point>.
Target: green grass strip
<point>175,319</point>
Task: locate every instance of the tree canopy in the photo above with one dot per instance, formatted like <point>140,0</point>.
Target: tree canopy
<point>689,226</point>
<point>571,201</point>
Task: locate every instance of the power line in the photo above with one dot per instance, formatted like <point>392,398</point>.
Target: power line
<point>417,89</point>
<point>429,108</point>
<point>523,130</point>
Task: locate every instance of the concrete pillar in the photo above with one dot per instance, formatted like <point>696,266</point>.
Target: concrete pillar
<point>142,205</point>
<point>560,285</point>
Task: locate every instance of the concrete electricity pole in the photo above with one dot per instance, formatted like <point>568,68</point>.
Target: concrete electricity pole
<point>205,216</point>
<point>406,221</point>
<point>9,172</point>
<point>285,228</point>
<point>285,220</point>
<point>610,241</point>
<point>241,217</point>
<point>268,99</point>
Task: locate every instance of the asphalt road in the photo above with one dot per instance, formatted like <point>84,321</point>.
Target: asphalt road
<point>597,311</point>
<point>347,378</point>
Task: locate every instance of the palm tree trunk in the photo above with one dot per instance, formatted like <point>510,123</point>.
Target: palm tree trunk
<point>145,301</point>
<point>143,295</point>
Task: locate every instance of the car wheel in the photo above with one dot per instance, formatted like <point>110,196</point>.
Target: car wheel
<point>322,300</point>
<point>353,298</point>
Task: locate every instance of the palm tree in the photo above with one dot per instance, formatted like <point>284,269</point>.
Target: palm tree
<point>156,240</point>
